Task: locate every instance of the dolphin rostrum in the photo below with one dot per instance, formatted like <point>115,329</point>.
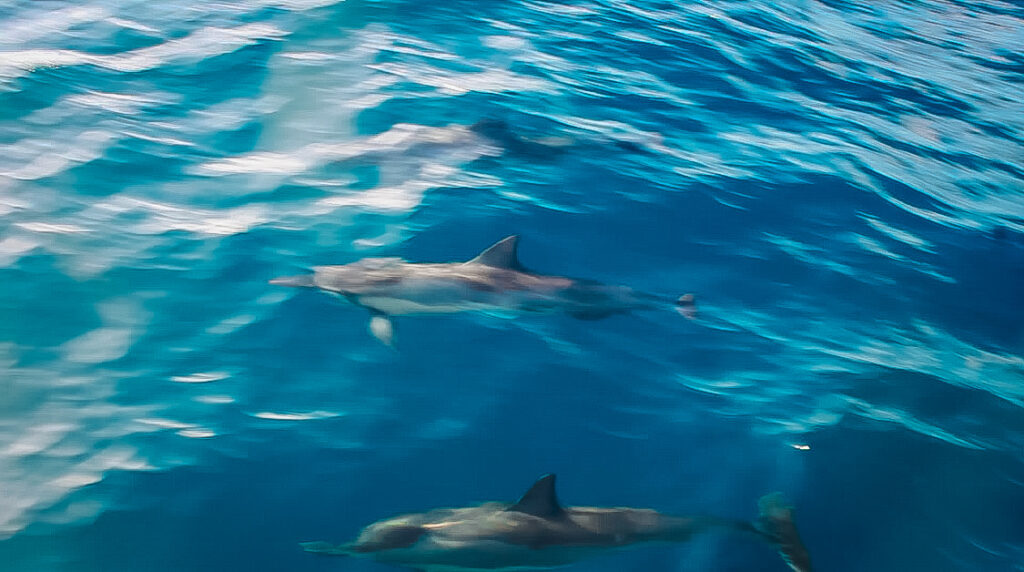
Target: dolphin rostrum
<point>537,532</point>
<point>493,281</point>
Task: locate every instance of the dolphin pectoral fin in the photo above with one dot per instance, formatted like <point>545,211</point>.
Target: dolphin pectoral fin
<point>321,547</point>
<point>383,328</point>
<point>776,522</point>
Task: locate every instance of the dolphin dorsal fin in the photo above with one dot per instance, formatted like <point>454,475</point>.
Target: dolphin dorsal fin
<point>501,255</point>
<point>540,500</point>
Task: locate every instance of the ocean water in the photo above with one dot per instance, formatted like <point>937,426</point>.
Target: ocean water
<point>840,184</point>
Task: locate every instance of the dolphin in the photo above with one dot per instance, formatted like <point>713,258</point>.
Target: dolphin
<point>494,281</point>
<point>536,532</point>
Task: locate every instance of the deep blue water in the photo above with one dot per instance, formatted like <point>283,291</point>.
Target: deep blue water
<point>841,186</point>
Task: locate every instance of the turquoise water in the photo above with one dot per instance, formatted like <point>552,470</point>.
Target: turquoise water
<point>840,186</point>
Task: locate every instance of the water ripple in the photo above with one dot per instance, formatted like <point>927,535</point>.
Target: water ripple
<point>840,183</point>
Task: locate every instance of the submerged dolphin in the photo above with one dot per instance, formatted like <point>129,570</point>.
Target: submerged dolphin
<point>493,281</point>
<point>537,532</point>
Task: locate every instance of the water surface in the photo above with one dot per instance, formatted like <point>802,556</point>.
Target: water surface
<point>840,185</point>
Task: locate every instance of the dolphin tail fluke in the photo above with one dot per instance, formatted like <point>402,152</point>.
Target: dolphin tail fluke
<point>776,522</point>
<point>686,305</point>
<point>302,281</point>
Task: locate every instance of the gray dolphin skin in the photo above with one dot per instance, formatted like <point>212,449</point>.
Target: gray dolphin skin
<point>494,281</point>
<point>537,533</point>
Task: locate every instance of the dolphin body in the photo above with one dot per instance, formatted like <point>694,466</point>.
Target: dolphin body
<point>537,533</point>
<point>494,281</point>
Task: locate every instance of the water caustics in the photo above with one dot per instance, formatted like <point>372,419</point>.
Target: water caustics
<point>841,185</point>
